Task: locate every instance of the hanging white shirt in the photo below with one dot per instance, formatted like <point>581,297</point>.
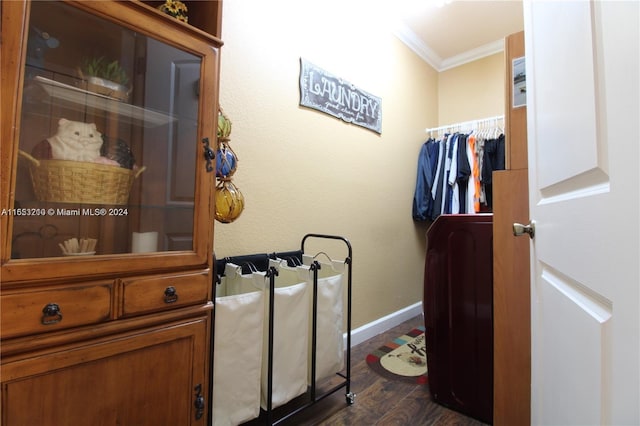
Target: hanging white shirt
<point>453,178</point>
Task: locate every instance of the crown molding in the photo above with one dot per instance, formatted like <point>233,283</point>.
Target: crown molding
<point>473,55</point>
<point>409,38</point>
<point>413,42</point>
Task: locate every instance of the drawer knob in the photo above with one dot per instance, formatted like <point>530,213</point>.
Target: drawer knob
<point>51,314</point>
<point>170,295</point>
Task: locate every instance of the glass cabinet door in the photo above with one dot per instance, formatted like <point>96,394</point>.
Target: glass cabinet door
<point>108,139</point>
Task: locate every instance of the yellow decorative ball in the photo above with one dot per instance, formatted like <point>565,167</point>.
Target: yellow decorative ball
<point>229,202</point>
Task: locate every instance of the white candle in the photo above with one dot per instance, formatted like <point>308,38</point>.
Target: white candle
<point>144,242</point>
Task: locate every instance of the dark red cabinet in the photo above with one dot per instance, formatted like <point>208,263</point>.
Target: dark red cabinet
<point>458,312</point>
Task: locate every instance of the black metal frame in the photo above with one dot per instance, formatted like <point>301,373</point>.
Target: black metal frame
<point>312,394</point>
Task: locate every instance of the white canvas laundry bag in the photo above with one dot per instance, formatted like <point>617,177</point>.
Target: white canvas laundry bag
<point>329,320</point>
<point>239,317</point>
<point>290,340</point>
<point>329,337</point>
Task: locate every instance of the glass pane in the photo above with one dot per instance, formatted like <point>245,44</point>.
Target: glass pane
<point>108,139</point>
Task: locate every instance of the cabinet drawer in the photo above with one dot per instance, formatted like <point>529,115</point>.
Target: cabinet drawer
<point>39,311</point>
<point>155,293</point>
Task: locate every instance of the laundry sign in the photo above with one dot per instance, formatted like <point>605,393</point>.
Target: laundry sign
<point>337,97</point>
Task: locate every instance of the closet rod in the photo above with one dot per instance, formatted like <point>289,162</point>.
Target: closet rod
<point>465,124</point>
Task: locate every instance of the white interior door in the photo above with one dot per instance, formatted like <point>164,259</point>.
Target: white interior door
<point>583,92</point>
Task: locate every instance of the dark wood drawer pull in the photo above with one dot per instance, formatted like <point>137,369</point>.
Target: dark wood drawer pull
<point>170,295</point>
<point>51,314</point>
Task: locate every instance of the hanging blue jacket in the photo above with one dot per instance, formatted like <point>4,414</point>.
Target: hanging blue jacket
<point>422,199</point>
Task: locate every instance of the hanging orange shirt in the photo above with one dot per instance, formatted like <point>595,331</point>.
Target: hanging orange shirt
<point>475,173</point>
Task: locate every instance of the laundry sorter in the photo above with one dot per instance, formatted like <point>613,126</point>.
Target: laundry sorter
<point>280,331</point>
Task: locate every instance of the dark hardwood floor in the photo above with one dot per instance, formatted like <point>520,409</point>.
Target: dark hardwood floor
<point>378,401</point>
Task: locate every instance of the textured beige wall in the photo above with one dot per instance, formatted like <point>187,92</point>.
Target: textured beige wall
<point>302,171</point>
<point>472,91</point>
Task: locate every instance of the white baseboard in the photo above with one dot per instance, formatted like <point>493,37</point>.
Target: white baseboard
<point>383,324</point>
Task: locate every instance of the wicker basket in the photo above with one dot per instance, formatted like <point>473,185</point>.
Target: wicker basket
<point>64,181</point>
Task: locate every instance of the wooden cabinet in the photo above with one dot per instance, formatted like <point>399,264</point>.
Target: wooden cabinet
<point>107,204</point>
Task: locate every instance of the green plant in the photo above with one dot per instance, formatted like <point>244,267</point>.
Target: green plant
<point>102,68</point>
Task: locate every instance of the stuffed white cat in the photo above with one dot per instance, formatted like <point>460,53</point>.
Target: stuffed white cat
<point>78,141</point>
<point>75,141</point>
